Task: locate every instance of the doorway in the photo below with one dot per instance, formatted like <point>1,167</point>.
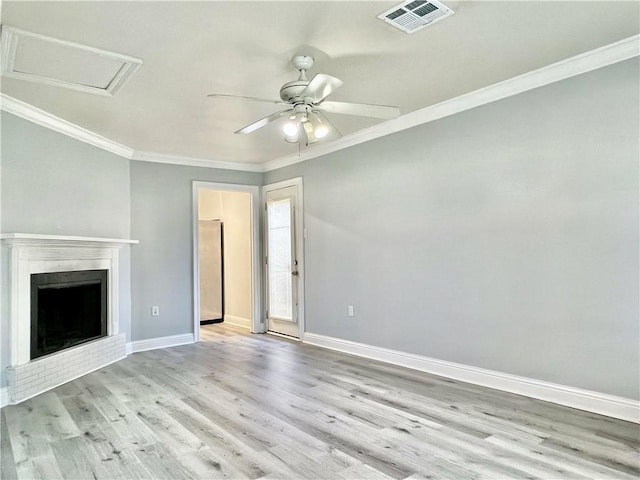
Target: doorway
<point>226,256</point>
<point>284,236</point>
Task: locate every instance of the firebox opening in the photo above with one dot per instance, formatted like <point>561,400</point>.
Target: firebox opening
<point>67,309</point>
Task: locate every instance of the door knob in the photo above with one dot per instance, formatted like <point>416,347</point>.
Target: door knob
<point>295,272</point>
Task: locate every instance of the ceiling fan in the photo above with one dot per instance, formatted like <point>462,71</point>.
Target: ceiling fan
<point>306,102</point>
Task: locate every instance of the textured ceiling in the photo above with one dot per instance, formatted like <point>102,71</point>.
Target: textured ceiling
<point>190,49</point>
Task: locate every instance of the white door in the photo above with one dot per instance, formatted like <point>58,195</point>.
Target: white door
<point>282,261</point>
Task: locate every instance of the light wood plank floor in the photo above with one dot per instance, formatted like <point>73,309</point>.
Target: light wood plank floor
<point>255,406</point>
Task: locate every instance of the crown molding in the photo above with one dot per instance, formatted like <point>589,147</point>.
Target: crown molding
<point>195,162</point>
<point>52,122</point>
<point>570,67</point>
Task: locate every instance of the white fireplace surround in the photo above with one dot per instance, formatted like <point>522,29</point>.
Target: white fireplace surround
<point>33,253</point>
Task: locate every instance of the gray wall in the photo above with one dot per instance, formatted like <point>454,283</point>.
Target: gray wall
<point>53,184</point>
<point>162,265</point>
<point>504,237</point>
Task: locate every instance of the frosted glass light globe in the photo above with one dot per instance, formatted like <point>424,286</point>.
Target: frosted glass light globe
<point>290,129</point>
<point>321,131</point>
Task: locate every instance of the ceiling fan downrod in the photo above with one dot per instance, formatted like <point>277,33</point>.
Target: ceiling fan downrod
<point>302,63</point>
<point>291,91</point>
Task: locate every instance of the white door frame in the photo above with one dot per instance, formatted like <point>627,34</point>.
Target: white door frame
<point>300,235</point>
<point>257,326</point>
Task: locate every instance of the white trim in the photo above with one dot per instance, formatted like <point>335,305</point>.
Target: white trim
<point>195,162</point>
<point>33,238</point>
<point>300,237</point>
<point>9,44</point>
<point>160,342</point>
<point>570,67</point>
<point>57,124</point>
<point>600,403</point>
<point>256,323</point>
<point>241,322</point>
<point>4,397</point>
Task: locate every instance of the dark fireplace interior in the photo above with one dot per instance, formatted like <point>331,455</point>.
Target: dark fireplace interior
<point>67,308</point>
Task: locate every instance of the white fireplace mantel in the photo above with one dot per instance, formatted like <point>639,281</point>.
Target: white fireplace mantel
<point>35,239</point>
<point>34,253</point>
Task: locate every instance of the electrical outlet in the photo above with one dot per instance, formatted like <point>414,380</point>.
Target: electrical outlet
<point>350,310</point>
<point>155,311</point>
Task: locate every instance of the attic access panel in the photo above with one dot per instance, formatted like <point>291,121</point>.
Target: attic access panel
<point>414,15</point>
<point>47,60</point>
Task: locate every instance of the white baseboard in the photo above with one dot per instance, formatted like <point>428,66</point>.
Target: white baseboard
<point>595,402</point>
<point>4,397</point>
<point>160,342</point>
<point>238,321</point>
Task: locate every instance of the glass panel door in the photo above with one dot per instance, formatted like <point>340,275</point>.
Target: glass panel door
<point>281,262</point>
<point>280,259</point>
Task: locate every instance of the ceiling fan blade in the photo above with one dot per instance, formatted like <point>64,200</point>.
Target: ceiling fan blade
<point>320,87</point>
<point>240,97</point>
<point>263,121</point>
<point>360,109</point>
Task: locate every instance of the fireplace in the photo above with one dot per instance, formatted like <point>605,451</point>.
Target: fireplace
<point>63,294</point>
<point>67,309</point>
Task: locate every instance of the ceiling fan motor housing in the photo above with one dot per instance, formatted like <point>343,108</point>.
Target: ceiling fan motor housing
<point>290,91</point>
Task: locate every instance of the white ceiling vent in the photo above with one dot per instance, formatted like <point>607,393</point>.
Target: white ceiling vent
<point>413,15</point>
<point>37,58</point>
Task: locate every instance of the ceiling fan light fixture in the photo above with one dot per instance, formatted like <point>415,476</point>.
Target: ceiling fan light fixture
<point>309,131</point>
<point>320,129</point>
<point>295,138</point>
<point>290,128</point>
<point>306,101</point>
